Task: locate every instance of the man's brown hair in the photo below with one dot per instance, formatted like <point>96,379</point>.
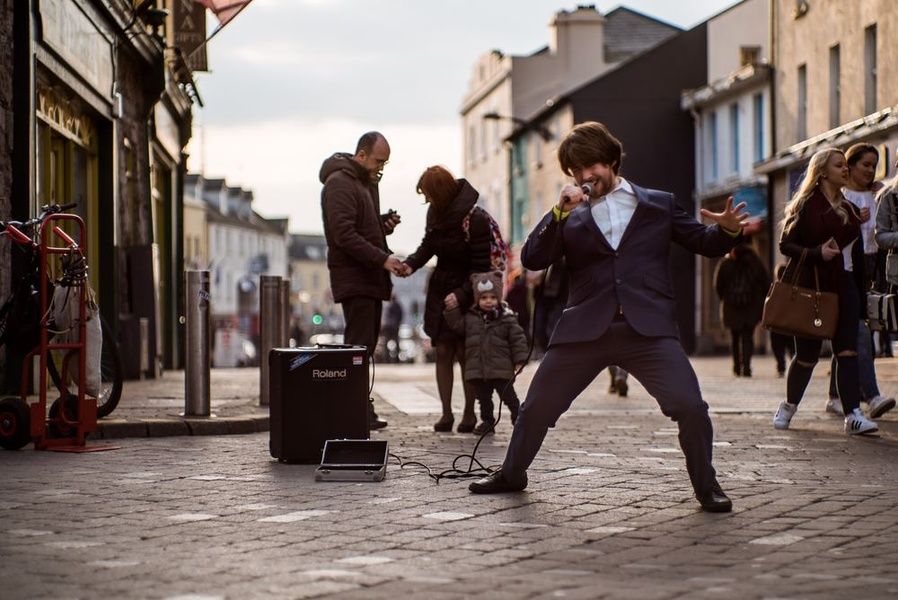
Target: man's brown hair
<point>438,186</point>
<point>587,144</point>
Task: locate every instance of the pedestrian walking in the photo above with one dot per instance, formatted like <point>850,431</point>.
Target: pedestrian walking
<point>616,238</point>
<point>820,224</point>
<point>862,160</point>
<point>618,384</point>
<point>495,347</point>
<point>886,235</point>
<point>550,297</point>
<point>392,321</point>
<point>518,298</point>
<point>741,282</point>
<point>358,258</point>
<point>459,253</point>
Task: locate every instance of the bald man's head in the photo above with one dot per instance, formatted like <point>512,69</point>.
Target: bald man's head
<point>373,153</point>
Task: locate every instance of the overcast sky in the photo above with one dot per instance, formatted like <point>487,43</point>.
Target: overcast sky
<point>293,81</point>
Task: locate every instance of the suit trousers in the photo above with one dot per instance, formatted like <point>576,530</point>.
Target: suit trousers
<point>658,363</point>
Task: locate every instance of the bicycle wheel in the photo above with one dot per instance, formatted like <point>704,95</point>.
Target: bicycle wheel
<point>110,373</point>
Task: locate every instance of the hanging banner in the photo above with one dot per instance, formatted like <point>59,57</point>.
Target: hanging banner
<point>224,10</point>
<point>189,19</point>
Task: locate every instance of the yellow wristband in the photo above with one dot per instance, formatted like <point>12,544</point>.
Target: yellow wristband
<point>731,233</point>
<point>559,214</point>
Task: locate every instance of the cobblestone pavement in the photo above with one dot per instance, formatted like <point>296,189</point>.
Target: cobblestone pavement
<point>608,513</point>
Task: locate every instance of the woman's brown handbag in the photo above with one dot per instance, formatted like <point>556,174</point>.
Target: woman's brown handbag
<point>801,312</point>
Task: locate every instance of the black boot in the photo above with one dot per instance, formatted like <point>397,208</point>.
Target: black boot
<point>487,419</point>
<point>513,408</point>
<point>485,426</point>
<point>374,421</point>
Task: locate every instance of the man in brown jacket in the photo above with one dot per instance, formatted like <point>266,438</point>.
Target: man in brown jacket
<point>358,258</point>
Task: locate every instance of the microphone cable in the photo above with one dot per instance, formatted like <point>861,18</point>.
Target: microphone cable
<point>481,470</point>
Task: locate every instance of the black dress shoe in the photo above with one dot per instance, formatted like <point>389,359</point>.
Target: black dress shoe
<point>495,483</point>
<point>466,426</point>
<point>377,424</point>
<point>715,501</point>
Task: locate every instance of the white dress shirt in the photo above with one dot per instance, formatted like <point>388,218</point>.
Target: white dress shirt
<point>613,211</point>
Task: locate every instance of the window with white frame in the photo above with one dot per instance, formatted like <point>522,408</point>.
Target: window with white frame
<point>802,108</point>
<point>712,144</point>
<point>870,68</point>
<point>472,144</point>
<point>835,68</point>
<point>734,137</point>
<point>758,117</point>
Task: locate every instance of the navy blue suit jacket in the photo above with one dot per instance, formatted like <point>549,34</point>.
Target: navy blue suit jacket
<point>635,277</point>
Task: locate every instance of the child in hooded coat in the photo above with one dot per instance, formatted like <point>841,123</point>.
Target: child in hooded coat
<point>495,347</point>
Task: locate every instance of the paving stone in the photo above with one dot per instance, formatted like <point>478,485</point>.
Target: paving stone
<point>604,516</point>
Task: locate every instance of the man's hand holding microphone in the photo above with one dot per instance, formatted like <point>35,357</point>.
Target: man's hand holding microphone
<point>571,195</point>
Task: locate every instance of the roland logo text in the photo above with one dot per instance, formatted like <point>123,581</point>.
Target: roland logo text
<point>329,373</point>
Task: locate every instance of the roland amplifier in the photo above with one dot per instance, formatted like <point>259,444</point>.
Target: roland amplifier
<point>316,394</point>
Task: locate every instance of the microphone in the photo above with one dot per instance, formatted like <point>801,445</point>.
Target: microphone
<point>586,188</point>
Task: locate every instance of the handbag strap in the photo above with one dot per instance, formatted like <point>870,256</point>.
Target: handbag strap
<point>797,269</point>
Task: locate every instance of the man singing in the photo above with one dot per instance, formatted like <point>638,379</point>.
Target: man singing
<point>616,241</point>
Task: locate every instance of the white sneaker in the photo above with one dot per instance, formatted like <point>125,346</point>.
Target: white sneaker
<point>783,415</point>
<point>856,423</point>
<point>834,406</point>
<point>880,406</point>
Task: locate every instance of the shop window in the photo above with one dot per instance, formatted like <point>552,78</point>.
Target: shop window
<point>66,165</point>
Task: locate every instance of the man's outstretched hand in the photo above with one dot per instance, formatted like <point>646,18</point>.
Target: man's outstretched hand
<point>733,218</point>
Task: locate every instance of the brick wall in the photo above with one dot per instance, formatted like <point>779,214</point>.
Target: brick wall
<point>6,60</point>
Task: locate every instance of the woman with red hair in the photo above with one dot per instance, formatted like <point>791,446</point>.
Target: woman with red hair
<point>459,238</point>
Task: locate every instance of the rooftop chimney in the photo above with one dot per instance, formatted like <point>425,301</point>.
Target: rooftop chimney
<point>578,40</point>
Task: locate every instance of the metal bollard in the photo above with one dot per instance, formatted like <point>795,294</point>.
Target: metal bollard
<point>198,319</point>
<point>285,313</point>
<point>270,328</point>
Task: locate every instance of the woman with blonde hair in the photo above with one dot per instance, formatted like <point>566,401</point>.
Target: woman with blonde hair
<point>460,239</point>
<point>819,224</point>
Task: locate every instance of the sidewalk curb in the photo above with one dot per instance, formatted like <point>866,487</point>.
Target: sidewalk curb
<point>108,429</point>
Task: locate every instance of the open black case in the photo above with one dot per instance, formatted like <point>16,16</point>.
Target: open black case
<point>353,460</point>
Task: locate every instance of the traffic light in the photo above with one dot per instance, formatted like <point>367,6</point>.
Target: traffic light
<point>317,319</point>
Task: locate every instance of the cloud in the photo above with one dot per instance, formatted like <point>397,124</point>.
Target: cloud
<point>280,159</point>
<point>275,55</point>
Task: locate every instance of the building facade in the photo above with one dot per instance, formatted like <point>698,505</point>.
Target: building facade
<point>313,304</point>
<point>834,84</point>
<point>6,152</point>
<point>732,119</point>
<point>100,115</point>
<point>639,101</point>
<point>506,91</point>
<point>242,246</point>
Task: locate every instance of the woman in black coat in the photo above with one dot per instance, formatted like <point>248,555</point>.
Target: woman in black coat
<point>741,282</point>
<point>459,237</point>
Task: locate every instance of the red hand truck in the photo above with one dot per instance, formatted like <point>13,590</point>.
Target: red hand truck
<point>72,417</point>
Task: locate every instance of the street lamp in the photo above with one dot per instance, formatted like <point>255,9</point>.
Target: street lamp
<point>524,124</point>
